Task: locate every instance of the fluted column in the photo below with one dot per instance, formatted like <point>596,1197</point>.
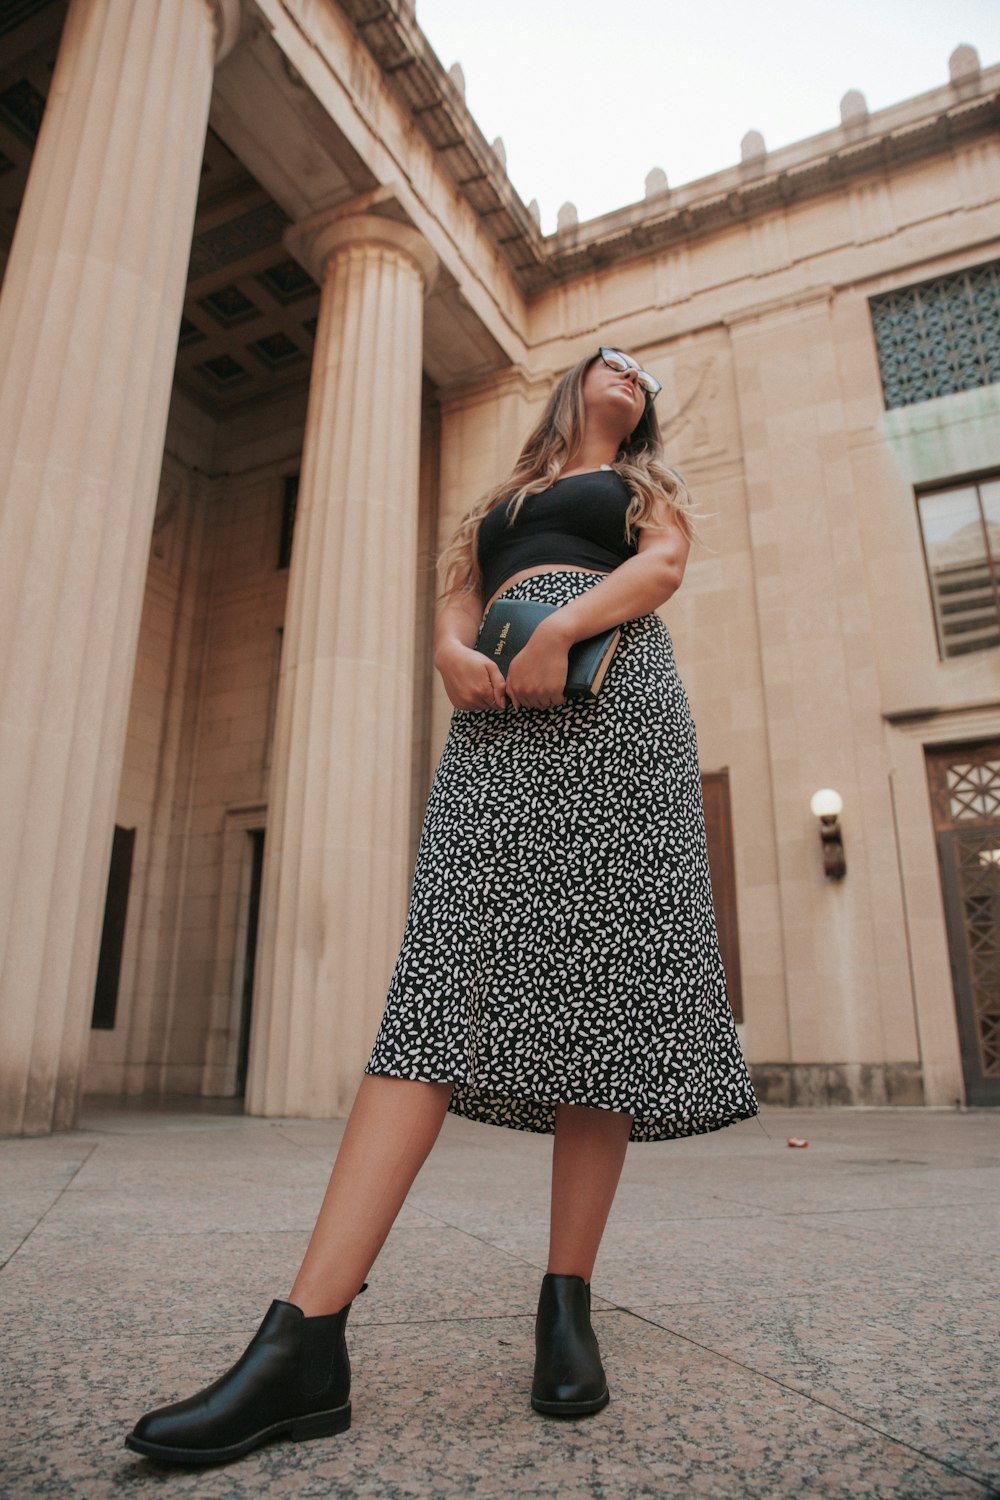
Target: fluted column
<point>89,316</point>
<point>336,869</point>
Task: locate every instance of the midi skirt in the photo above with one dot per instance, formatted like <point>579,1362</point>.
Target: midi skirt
<point>560,943</point>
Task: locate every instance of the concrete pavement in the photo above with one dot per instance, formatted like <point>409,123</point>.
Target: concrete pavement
<point>774,1321</point>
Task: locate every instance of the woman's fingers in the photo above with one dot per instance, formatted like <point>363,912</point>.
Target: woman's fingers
<point>473,682</point>
<point>497,685</point>
<point>533,695</point>
<point>533,700</point>
<point>536,677</point>
<point>480,685</point>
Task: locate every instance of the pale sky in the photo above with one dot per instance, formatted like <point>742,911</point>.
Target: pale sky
<point>588,95</point>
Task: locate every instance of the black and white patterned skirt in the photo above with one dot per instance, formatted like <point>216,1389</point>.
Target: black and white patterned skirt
<point>560,944</point>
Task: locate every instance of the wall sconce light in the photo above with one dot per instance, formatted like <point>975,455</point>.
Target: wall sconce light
<point>827,805</point>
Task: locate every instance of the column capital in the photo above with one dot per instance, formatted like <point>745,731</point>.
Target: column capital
<point>227,18</point>
<point>316,241</point>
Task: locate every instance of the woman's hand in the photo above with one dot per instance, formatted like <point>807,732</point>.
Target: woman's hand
<point>470,679</point>
<point>536,677</point>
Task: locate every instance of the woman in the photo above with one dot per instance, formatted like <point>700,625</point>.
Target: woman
<point>560,969</point>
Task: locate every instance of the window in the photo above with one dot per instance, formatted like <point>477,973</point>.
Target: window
<point>939,336</point>
<point>288,503</point>
<point>961,531</point>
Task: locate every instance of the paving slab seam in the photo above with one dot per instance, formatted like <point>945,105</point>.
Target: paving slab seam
<point>470,1234</point>
<point>327,1157</point>
<point>143,1132</point>
<point>857,1211</point>
<point>479,1317</point>
<point>988,1484</point>
<point>74,1132</point>
<point>54,1204</point>
<point>892,1110</point>
<point>279,1134</point>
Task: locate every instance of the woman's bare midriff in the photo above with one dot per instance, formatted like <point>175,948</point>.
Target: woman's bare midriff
<point>541,568</point>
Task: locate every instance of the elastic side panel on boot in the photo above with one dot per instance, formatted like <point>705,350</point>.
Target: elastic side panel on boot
<point>323,1348</point>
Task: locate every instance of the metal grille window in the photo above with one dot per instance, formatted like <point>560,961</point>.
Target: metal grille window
<point>939,336</point>
<point>961,532</point>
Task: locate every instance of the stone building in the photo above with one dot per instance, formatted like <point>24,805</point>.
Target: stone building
<point>272,316</point>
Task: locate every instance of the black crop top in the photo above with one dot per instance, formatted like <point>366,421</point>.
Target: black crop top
<point>579,520</point>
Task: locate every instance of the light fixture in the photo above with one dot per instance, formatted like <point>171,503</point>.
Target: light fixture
<point>827,805</point>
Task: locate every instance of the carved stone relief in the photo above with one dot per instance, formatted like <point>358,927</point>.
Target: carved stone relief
<point>697,414</point>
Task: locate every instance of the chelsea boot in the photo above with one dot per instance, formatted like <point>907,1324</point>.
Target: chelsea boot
<point>293,1379</point>
<point>569,1378</point>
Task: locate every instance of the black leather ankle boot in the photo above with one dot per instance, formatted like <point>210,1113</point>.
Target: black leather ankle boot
<point>569,1377</point>
<point>293,1379</point>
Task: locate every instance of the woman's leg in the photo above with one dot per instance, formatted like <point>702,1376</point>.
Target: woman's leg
<point>294,1378</point>
<point>392,1126</point>
<point>587,1158</point>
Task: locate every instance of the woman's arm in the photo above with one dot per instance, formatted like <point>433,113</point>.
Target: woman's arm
<point>636,587</point>
<point>536,676</point>
<point>471,680</point>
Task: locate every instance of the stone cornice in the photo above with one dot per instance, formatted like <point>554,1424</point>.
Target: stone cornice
<point>808,169</point>
<point>921,127</point>
<point>438,110</point>
<point>950,720</point>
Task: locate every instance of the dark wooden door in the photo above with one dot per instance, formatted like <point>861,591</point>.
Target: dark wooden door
<point>256,837</point>
<point>722,864</point>
<point>965,793</point>
<point>109,964</point>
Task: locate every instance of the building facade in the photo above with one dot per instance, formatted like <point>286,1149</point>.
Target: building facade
<point>272,316</point>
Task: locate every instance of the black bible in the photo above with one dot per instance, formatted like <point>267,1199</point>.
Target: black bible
<point>508,626</point>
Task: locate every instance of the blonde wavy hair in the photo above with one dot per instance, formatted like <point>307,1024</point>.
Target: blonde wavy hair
<point>554,439</point>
